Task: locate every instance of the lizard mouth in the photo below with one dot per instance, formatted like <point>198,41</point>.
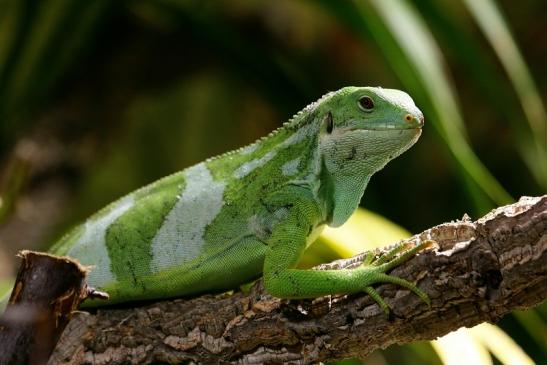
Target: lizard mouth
<point>409,121</point>
<point>387,128</point>
<point>394,128</point>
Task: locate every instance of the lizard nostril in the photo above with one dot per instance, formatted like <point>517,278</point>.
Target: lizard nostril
<point>409,118</point>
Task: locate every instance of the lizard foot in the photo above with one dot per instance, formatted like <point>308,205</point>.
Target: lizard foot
<point>379,265</point>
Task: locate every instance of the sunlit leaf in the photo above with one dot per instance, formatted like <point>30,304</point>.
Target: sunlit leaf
<point>500,344</point>
<point>363,231</point>
<point>459,347</point>
<point>474,345</point>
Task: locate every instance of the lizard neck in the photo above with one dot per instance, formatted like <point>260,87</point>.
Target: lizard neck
<point>342,195</point>
<point>342,192</point>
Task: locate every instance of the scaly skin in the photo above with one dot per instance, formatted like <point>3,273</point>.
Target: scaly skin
<point>253,211</point>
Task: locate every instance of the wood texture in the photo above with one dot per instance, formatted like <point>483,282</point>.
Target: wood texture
<point>47,290</point>
<point>480,271</point>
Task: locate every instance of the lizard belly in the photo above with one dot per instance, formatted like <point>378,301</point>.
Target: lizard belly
<point>232,265</point>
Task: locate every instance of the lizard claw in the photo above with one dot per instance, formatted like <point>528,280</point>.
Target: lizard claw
<point>389,260</point>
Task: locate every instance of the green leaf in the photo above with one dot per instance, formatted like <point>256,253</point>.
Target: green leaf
<point>490,20</point>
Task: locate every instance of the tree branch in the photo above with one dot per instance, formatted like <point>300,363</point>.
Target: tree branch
<point>479,272</point>
<point>46,292</point>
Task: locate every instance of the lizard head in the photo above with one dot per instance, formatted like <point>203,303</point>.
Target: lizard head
<point>362,129</point>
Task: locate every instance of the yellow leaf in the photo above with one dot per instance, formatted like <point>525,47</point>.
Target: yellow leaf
<point>363,231</point>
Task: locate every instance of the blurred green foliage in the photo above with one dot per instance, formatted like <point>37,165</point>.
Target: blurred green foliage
<point>115,94</point>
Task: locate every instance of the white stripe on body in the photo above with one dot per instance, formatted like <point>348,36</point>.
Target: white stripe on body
<point>290,168</point>
<point>298,136</point>
<point>181,237</point>
<point>90,249</point>
<point>248,167</point>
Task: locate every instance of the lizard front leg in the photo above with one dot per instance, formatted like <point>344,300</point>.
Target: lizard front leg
<point>288,241</point>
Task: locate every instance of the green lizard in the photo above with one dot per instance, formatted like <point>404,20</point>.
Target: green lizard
<point>223,222</point>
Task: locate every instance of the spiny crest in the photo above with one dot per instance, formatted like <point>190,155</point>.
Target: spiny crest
<point>309,108</point>
<point>296,121</point>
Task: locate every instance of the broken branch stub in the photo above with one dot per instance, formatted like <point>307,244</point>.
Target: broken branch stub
<point>47,290</point>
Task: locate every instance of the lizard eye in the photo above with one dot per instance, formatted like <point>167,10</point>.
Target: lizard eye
<point>330,123</point>
<point>366,103</point>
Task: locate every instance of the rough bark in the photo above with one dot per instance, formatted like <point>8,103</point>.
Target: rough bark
<point>480,271</point>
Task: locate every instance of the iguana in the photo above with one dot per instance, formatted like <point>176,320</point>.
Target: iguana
<point>253,211</point>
